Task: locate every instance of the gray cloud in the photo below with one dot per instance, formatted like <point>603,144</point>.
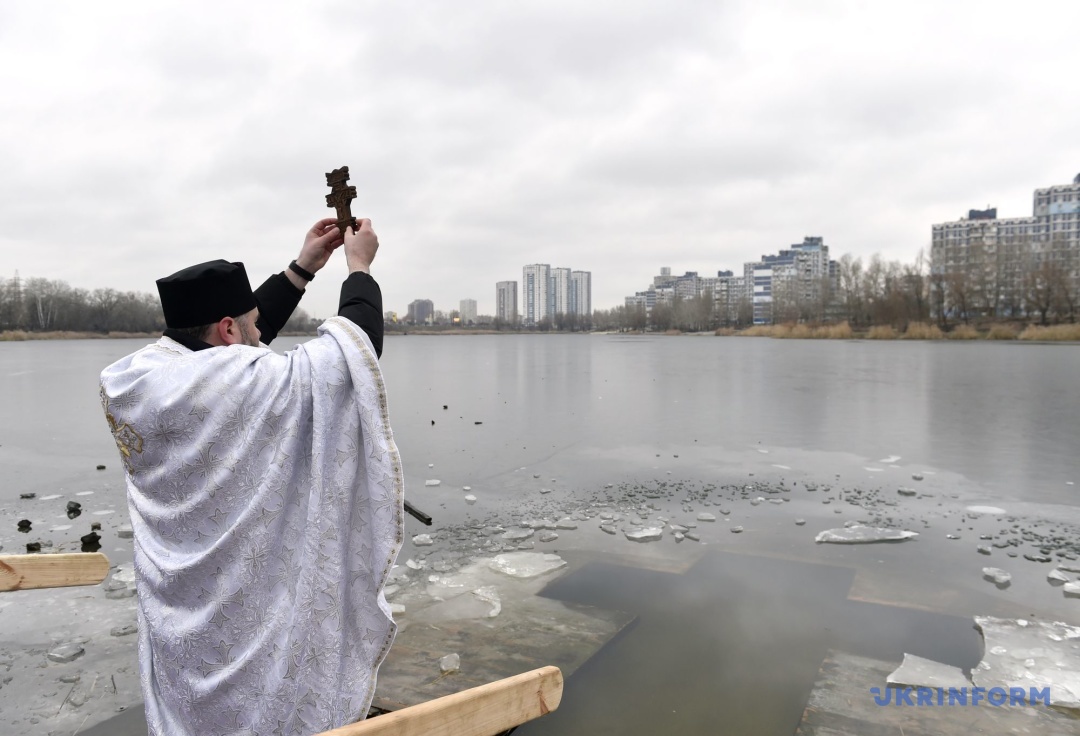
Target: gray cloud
<point>615,137</point>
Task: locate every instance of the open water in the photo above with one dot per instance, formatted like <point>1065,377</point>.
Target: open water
<point>731,640</point>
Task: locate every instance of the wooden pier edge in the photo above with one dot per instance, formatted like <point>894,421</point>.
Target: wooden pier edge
<point>26,572</point>
<point>480,711</point>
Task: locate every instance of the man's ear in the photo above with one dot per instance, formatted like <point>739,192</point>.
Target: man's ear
<point>227,332</point>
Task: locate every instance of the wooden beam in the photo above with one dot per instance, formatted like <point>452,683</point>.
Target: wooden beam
<point>24,572</point>
<point>480,711</point>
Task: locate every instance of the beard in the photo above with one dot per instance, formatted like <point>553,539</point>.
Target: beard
<point>247,336</point>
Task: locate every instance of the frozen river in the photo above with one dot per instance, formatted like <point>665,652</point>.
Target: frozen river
<point>638,433</point>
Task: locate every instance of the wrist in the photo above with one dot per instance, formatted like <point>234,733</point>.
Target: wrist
<point>296,279</point>
<point>361,267</point>
<point>307,264</point>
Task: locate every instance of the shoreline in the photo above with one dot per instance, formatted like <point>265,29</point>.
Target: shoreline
<point>1032,334</point>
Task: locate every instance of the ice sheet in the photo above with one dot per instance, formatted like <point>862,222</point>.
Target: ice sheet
<point>1031,654</point>
<point>526,564</point>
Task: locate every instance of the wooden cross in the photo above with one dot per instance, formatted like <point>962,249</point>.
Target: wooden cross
<point>339,198</point>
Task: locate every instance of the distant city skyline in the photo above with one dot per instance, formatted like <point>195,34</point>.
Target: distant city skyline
<point>613,138</point>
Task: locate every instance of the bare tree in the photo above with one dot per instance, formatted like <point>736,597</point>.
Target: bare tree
<point>662,316</point>
<point>1039,287</point>
<point>850,270</point>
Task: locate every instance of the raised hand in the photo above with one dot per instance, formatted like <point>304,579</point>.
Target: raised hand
<point>360,247</point>
<point>319,243</point>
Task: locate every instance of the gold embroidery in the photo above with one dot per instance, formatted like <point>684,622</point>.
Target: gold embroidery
<point>128,441</point>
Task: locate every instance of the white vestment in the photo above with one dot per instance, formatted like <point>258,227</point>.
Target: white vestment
<point>266,496</point>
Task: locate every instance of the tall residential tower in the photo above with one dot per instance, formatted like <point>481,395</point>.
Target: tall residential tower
<point>535,293</point>
<point>506,302</point>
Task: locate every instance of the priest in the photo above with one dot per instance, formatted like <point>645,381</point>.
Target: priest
<point>265,492</point>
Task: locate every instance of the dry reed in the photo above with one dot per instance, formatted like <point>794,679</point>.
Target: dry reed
<point>1068,333</point>
<point>841,331</point>
<point>963,332</point>
<point>922,331</point>
<point>788,331</point>
<point>881,332</point>
<point>757,331</point>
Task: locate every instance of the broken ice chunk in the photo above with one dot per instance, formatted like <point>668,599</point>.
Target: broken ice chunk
<point>526,564</point>
<point>449,663</point>
<point>517,534</point>
<point>985,510</point>
<point>706,516</point>
<point>647,534</point>
<point>423,540</point>
<point>432,483</point>
<point>1057,577</point>
<point>470,499</point>
<point>490,595</point>
<point>863,535</point>
<point>1030,654</point>
<point>65,653</point>
<point>906,491</point>
<point>997,576</point>
<point>1071,590</point>
<point>919,672</point>
<point>548,536</point>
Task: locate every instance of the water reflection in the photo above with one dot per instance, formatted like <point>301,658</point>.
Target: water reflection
<point>732,646</point>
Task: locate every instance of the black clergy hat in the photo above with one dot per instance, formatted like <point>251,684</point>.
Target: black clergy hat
<point>205,293</point>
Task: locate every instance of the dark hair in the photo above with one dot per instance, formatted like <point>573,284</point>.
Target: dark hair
<point>199,333</point>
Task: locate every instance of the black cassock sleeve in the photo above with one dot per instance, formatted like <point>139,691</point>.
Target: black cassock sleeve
<point>361,304</point>
<point>277,299</point>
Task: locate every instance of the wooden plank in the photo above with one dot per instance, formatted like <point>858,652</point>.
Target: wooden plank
<point>25,572</point>
<point>480,711</point>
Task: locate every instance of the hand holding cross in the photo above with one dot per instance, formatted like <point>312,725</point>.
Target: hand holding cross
<point>339,198</point>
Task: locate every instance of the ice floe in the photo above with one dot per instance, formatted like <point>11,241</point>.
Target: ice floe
<point>985,510</point>
<point>647,534</point>
<point>863,535</point>
<point>1031,655</point>
<point>997,576</point>
<point>526,564</point>
<point>919,672</point>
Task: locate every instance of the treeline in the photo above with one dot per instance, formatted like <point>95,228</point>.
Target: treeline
<point>44,305</point>
<point>880,293</point>
<point>862,294</point>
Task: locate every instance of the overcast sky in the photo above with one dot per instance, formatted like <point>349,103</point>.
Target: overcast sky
<point>609,136</point>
